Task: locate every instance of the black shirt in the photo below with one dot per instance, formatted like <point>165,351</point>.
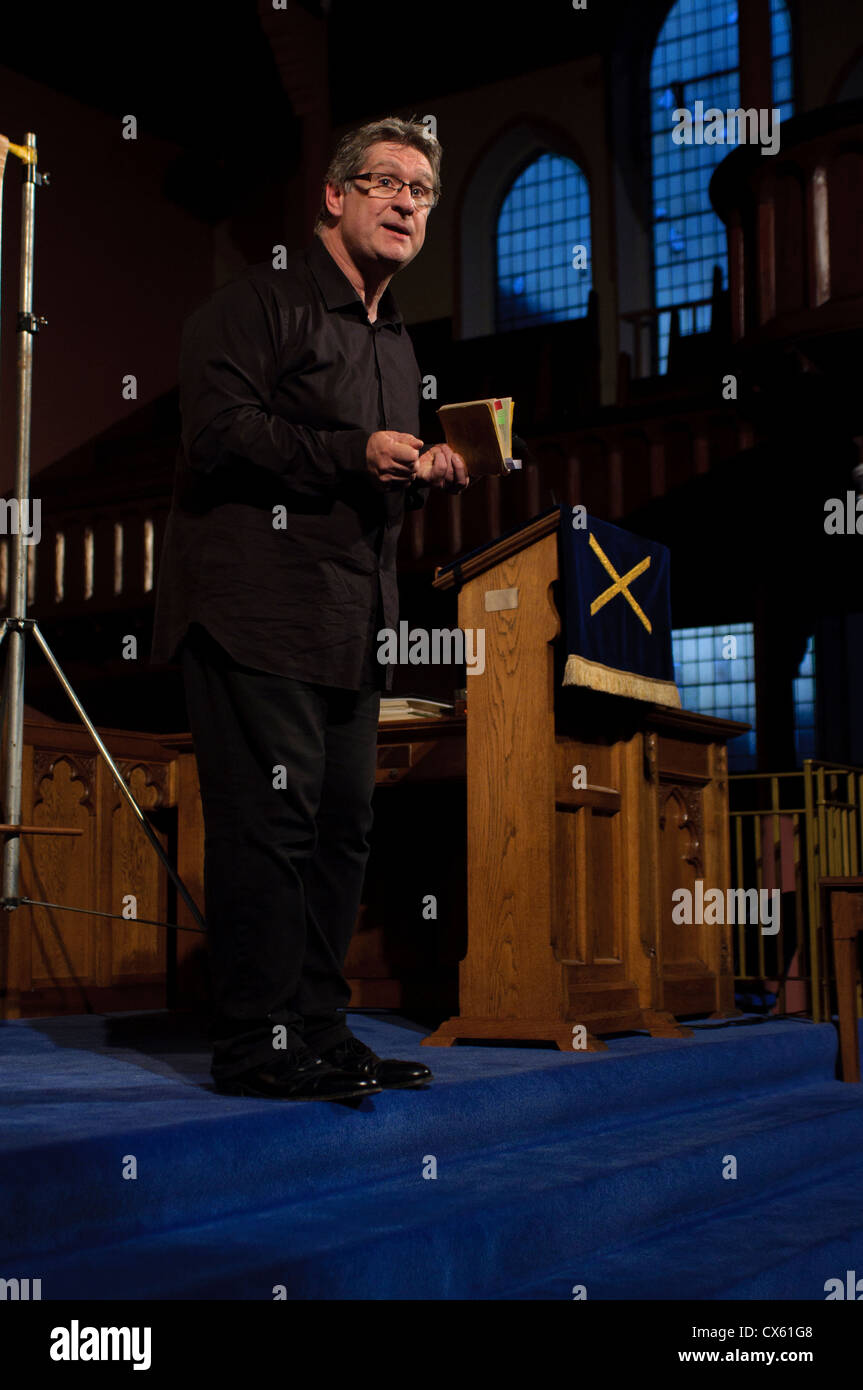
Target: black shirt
<point>277,541</point>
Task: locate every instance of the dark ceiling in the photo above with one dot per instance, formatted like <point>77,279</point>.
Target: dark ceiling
<point>205,78</point>
<point>446,46</point>
<point>192,71</point>
<point>200,76</point>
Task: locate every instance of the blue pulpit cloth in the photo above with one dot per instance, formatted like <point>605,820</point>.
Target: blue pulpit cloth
<point>616,610</point>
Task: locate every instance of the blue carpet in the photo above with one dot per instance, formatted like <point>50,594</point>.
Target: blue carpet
<point>553,1170</point>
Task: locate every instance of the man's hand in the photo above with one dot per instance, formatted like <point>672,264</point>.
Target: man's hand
<point>391,458</point>
<point>440,467</point>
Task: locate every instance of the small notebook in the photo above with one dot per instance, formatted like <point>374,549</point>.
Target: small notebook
<point>481,431</point>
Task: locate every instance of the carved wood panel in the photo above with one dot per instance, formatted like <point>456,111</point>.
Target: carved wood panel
<point>67,957</point>
<point>681,863</point>
<point>59,869</point>
<point>136,884</point>
<point>586,922</point>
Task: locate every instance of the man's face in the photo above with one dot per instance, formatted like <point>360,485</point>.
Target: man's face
<point>383,230</point>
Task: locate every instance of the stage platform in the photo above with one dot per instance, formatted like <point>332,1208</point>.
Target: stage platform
<point>551,1171</point>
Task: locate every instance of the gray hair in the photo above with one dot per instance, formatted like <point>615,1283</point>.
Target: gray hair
<point>348,156</point>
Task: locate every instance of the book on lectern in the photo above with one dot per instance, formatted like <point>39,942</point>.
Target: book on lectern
<point>481,431</point>
<point>409,707</point>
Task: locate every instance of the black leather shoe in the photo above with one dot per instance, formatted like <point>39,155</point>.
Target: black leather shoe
<point>354,1057</point>
<point>301,1076</point>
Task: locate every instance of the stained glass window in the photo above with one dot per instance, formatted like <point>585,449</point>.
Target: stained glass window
<point>804,706</point>
<point>543,245</point>
<point>697,59</point>
<point>714,668</point>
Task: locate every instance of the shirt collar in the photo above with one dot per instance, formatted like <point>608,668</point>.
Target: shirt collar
<point>337,290</point>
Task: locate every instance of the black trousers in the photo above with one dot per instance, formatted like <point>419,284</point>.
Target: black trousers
<point>287,772</point>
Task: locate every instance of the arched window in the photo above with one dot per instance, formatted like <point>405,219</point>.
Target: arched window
<point>543,245</point>
<point>696,59</point>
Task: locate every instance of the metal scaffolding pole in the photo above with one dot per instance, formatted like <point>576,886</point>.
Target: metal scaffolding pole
<point>17,624</point>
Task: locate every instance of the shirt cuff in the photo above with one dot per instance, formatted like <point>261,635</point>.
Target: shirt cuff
<point>416,495</point>
<point>348,450</point>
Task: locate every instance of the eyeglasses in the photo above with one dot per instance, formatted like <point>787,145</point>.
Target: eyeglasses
<point>387,186</point>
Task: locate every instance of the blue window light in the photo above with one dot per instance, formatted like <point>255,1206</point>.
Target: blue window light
<point>544,216</point>
<point>716,676</point>
<point>804,706</point>
<point>696,58</point>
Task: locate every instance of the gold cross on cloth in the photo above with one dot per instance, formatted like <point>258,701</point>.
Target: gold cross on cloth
<point>620,585</point>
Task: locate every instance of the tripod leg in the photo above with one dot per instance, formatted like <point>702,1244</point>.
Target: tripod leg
<point>118,776</point>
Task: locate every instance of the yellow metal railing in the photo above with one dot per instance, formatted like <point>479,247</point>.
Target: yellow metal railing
<point>788,830</point>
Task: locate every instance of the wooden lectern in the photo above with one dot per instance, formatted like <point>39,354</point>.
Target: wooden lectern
<point>569,889</point>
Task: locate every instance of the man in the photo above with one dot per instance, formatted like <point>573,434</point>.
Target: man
<point>299,396</point>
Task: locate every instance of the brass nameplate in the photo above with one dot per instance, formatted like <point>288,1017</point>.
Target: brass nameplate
<point>498,599</point>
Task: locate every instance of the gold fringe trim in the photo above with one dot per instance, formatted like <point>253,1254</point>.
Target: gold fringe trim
<point>580,671</point>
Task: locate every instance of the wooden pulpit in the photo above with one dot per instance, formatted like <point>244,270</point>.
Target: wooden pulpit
<point>570,930</point>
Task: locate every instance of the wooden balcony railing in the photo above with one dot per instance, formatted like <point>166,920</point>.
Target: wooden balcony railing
<point>641,343</point>
<point>88,563</point>
<point>793,219</point>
